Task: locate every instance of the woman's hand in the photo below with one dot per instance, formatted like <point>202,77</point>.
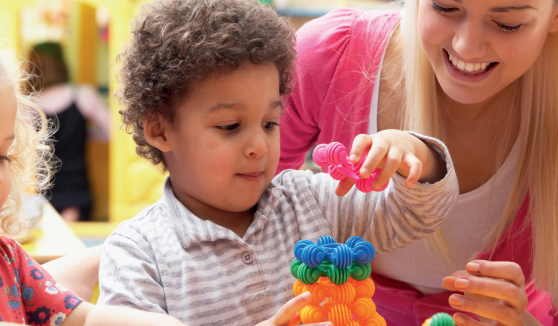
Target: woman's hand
<point>494,291</point>
<point>394,151</point>
<point>288,313</point>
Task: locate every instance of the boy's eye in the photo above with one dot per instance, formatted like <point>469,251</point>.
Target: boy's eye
<point>230,127</point>
<point>443,10</point>
<point>270,125</point>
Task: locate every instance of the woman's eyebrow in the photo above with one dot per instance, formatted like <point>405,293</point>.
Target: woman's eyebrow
<point>12,137</point>
<point>512,8</point>
<point>507,8</point>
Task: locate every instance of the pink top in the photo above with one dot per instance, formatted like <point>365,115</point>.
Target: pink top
<point>332,96</point>
<point>339,55</point>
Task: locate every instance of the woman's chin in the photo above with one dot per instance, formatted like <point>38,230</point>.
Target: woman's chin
<point>465,95</point>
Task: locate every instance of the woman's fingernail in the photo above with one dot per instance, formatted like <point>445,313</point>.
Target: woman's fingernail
<point>458,319</point>
<point>473,267</point>
<point>364,171</point>
<point>462,283</point>
<point>353,157</point>
<point>456,300</point>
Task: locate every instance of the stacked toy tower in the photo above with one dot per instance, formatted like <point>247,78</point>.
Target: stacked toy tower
<point>338,277</point>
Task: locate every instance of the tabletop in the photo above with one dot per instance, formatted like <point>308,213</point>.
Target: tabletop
<point>53,238</point>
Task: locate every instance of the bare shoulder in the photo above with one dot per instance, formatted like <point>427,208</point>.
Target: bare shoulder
<point>392,86</point>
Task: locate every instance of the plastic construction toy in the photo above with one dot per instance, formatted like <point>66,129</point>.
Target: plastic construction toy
<point>439,319</point>
<point>337,276</point>
<point>334,157</point>
<point>333,260</point>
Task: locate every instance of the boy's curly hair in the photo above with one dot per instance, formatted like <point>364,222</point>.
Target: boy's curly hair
<point>177,43</point>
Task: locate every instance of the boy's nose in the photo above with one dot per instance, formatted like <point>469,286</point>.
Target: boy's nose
<point>257,145</point>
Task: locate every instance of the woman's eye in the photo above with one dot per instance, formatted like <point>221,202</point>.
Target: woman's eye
<point>270,125</point>
<point>443,10</point>
<point>230,127</point>
<point>506,28</point>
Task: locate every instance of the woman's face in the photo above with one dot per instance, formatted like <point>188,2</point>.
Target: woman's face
<point>478,47</point>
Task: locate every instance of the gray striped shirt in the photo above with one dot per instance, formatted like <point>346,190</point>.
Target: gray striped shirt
<point>167,260</point>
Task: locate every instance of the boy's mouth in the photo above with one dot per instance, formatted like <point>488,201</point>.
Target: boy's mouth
<point>254,176</point>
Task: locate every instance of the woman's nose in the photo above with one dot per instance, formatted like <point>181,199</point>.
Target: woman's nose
<point>470,41</point>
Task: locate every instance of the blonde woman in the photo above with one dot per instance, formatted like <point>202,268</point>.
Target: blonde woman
<point>482,76</point>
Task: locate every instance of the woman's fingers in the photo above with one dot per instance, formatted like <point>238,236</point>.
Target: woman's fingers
<point>508,271</point>
<point>496,311</point>
<point>494,288</point>
<point>464,320</point>
<point>344,187</point>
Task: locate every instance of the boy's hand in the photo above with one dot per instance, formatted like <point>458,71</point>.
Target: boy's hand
<point>394,151</point>
<point>494,291</point>
<point>288,313</point>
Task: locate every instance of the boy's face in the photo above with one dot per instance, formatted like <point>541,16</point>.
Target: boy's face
<point>224,141</point>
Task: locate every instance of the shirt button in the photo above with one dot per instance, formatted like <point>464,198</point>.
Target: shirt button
<point>247,257</point>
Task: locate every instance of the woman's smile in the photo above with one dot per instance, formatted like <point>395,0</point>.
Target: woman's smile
<point>470,72</point>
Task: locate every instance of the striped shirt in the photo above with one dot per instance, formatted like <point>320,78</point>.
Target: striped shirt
<point>167,260</point>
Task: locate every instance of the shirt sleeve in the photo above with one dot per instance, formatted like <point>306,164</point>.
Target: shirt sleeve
<point>128,276</point>
<point>44,301</point>
<point>321,44</point>
<point>391,219</point>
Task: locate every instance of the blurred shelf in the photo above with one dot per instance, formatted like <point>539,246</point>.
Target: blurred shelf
<point>301,9</point>
<point>93,229</point>
<point>93,233</point>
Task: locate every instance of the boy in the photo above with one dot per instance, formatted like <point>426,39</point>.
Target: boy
<point>202,83</point>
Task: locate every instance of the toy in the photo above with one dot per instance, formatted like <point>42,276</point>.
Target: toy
<point>334,156</point>
<point>337,276</point>
<point>439,319</point>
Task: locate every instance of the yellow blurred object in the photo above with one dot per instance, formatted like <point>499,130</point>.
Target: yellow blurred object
<point>133,183</point>
<point>93,229</point>
<point>95,295</point>
<point>427,322</point>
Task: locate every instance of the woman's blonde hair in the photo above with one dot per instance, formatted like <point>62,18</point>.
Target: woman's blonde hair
<point>30,154</point>
<point>534,97</point>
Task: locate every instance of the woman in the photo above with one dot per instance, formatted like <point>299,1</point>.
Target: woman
<point>482,76</point>
<point>68,107</point>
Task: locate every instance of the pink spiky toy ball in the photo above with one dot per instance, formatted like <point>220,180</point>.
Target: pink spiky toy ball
<point>334,156</point>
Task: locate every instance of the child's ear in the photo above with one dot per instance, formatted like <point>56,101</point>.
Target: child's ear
<point>155,131</point>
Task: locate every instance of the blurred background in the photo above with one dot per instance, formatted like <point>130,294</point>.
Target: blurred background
<point>72,45</point>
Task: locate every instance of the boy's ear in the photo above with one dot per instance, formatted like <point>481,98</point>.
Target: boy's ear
<point>554,23</point>
<point>155,131</point>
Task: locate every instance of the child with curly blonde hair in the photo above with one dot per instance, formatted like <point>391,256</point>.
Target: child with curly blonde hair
<point>29,294</point>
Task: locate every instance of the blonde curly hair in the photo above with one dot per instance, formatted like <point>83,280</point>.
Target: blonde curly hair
<point>30,154</point>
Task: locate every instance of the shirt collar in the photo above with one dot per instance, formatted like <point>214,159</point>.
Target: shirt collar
<point>191,229</point>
